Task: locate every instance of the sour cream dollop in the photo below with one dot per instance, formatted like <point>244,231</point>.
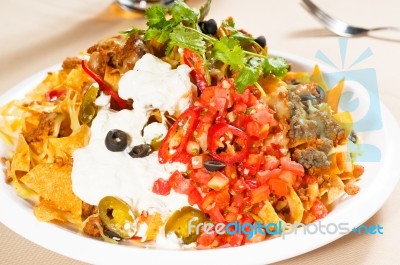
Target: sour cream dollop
<point>98,172</point>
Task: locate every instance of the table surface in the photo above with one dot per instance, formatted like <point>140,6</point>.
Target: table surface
<point>39,33</point>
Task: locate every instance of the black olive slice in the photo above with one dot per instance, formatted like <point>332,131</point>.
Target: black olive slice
<point>116,140</point>
<point>208,26</point>
<point>261,41</point>
<point>142,150</point>
<point>214,165</point>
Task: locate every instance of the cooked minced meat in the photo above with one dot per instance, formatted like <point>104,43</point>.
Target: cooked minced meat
<point>119,52</point>
<point>319,129</point>
<point>70,63</point>
<point>311,158</point>
<point>44,128</point>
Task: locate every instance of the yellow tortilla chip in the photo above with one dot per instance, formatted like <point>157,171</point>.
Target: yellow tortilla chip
<point>268,214</point>
<point>334,94</point>
<point>336,190</point>
<point>53,183</point>
<point>21,160</point>
<point>68,145</point>
<point>46,211</point>
<point>295,205</point>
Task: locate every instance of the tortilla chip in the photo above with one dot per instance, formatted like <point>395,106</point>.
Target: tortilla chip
<point>295,205</point>
<point>268,215</point>
<point>336,190</point>
<point>46,211</point>
<point>21,160</point>
<point>68,145</point>
<point>53,183</point>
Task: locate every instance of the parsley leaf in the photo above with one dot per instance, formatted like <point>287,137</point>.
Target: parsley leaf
<point>151,33</point>
<point>204,9</point>
<point>182,12</point>
<point>186,38</point>
<point>229,51</point>
<point>229,26</point>
<point>247,77</point>
<point>132,31</point>
<point>156,17</point>
<point>276,66</point>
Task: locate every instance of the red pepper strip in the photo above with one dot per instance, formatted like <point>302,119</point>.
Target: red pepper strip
<point>219,130</point>
<point>55,94</point>
<point>187,122</point>
<point>105,87</point>
<point>194,61</point>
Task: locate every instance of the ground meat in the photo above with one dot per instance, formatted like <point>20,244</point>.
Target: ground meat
<point>88,210</point>
<point>312,124</point>
<point>91,228</point>
<point>311,159</point>
<point>118,52</point>
<point>44,128</point>
<point>351,188</point>
<point>330,129</point>
<point>70,63</point>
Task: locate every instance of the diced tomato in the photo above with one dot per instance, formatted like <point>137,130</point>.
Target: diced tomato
<point>242,98</point>
<point>179,184</point>
<point>222,199</point>
<point>201,176</point>
<point>263,116</point>
<point>161,187</point>
<point>240,107</point>
<point>231,217</point>
<point>216,215</point>
<point>318,209</point>
<point>288,176</point>
<point>260,194</point>
<point>253,128</point>
<point>271,162</point>
<point>218,181</point>
<point>206,239</point>
<point>253,163</point>
<point>264,176</point>
<point>230,171</point>
<point>240,185</point>
<point>288,164</point>
<point>236,240</point>
<point>252,100</point>
<point>195,197</point>
<point>278,187</point>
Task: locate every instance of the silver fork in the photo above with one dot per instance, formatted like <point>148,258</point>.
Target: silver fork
<point>339,27</point>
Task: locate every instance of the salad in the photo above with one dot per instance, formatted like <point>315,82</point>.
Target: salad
<point>153,135</point>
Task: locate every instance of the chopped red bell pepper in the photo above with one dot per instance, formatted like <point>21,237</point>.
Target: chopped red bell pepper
<point>55,94</point>
<point>194,61</point>
<point>230,155</point>
<point>178,135</point>
<point>105,87</point>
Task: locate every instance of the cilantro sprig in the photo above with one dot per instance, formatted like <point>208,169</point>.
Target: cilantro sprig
<point>178,27</point>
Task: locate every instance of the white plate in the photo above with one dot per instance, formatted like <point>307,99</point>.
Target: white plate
<point>378,181</point>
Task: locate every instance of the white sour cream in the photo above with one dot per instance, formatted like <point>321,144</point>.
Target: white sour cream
<point>98,172</point>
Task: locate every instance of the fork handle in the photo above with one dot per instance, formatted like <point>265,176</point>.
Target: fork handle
<point>387,33</point>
